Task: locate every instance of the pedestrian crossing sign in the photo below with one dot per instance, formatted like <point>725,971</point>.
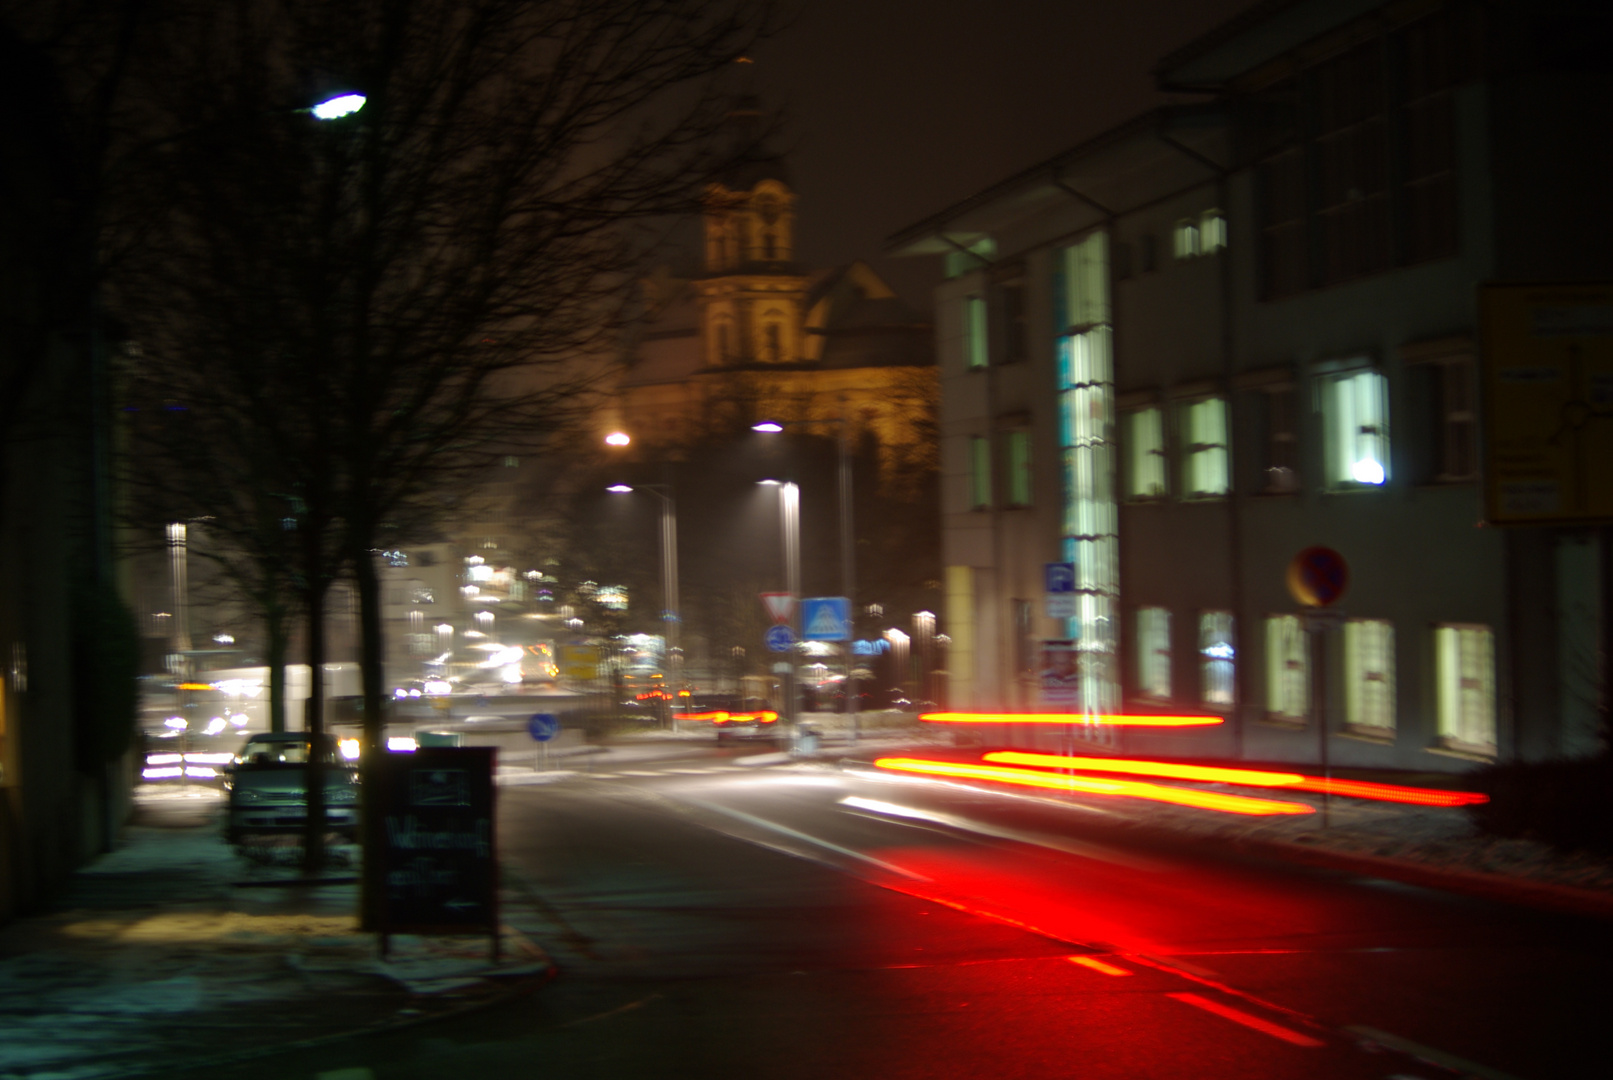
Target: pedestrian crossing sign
<point>826,618</point>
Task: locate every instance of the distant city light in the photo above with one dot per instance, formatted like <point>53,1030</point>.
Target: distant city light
<point>400,744</point>
<point>349,749</point>
<point>620,489</point>
<point>618,438</point>
<point>176,722</point>
<point>337,107</point>
<point>769,483</point>
<point>769,426</point>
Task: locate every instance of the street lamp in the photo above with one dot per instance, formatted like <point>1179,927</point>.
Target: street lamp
<point>669,572</point>
<point>337,107</point>
<point>789,505</point>
<point>848,565</point>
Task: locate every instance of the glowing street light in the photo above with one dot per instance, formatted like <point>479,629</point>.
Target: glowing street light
<point>669,570</point>
<point>337,107</point>
<point>618,438</point>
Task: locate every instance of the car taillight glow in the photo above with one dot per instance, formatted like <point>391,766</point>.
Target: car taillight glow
<point>1143,720</point>
<point>1362,789</point>
<point>1137,789</point>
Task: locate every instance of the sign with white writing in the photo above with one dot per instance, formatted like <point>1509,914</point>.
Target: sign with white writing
<point>439,865</point>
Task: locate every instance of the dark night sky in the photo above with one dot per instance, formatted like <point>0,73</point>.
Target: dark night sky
<point>898,108</point>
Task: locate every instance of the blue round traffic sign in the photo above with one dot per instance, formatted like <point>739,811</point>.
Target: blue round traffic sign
<point>543,726</point>
<point>779,638</point>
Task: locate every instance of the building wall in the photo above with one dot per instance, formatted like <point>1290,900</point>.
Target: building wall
<point>1420,553</point>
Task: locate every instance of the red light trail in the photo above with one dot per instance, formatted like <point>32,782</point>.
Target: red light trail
<point>1069,718</point>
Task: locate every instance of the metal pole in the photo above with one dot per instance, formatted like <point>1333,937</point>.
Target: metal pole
<point>848,572</point>
<point>671,619</point>
<point>1318,632</point>
<point>790,527</point>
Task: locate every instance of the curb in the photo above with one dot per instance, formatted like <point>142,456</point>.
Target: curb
<point>1538,894</point>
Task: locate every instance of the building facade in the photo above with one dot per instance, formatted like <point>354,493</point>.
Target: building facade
<point>1185,351</point>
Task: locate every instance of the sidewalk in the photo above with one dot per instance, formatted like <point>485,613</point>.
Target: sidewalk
<point>173,949</point>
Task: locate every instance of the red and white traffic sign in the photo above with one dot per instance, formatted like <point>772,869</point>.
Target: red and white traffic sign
<point>780,605</point>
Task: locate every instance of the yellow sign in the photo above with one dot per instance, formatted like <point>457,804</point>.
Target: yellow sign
<point>579,662</point>
<point>1548,387</point>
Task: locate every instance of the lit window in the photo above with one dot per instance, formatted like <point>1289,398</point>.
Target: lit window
<point>1465,661</point>
<point>1287,670</point>
<point>979,472</point>
<point>1205,469</point>
<point>1185,239</point>
<point>1019,468</point>
<point>1145,454</point>
<point>1154,652</point>
<point>1212,231</point>
<point>1355,411</point>
<point>974,332</point>
<point>1216,657</point>
<point>1369,675</point>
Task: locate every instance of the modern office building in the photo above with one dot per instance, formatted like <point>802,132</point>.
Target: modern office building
<point>1236,328</point>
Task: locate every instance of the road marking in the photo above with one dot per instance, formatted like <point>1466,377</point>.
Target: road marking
<point>1428,1054</point>
<point>629,1007</point>
<point>1098,965</point>
<point>794,834</point>
<point>1238,1016</point>
<point>1056,843</point>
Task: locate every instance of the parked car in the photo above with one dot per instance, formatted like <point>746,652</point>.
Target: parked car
<point>266,784</point>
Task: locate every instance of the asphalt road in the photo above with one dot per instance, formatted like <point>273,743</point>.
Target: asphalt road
<point>715,920</point>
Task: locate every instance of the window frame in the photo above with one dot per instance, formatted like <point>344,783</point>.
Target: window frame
<point>980,488</point>
<point>1019,487</point>
<point>1153,642</point>
<point>1342,466</point>
<point>1158,455</point>
<point>1196,455</point>
<point>1217,628</point>
<point>1358,674</point>
<point>1292,681</point>
<point>976,328</point>
<point>1455,724</point>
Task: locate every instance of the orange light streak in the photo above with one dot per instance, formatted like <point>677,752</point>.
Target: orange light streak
<point>1069,718</point>
<point>764,717</point>
<point>1361,789</point>
<point>1098,965</point>
<point>1137,789</point>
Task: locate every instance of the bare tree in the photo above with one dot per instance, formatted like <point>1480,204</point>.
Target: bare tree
<point>390,300</point>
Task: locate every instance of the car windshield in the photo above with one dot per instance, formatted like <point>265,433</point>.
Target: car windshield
<point>266,752</point>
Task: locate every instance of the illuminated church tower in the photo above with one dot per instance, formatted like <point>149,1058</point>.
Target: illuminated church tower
<point>752,295</point>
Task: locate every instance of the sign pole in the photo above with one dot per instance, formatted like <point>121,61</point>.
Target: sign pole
<point>1317,577</point>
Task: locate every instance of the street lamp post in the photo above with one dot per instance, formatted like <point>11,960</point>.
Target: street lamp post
<point>848,566</point>
<point>670,618</point>
<point>789,505</point>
